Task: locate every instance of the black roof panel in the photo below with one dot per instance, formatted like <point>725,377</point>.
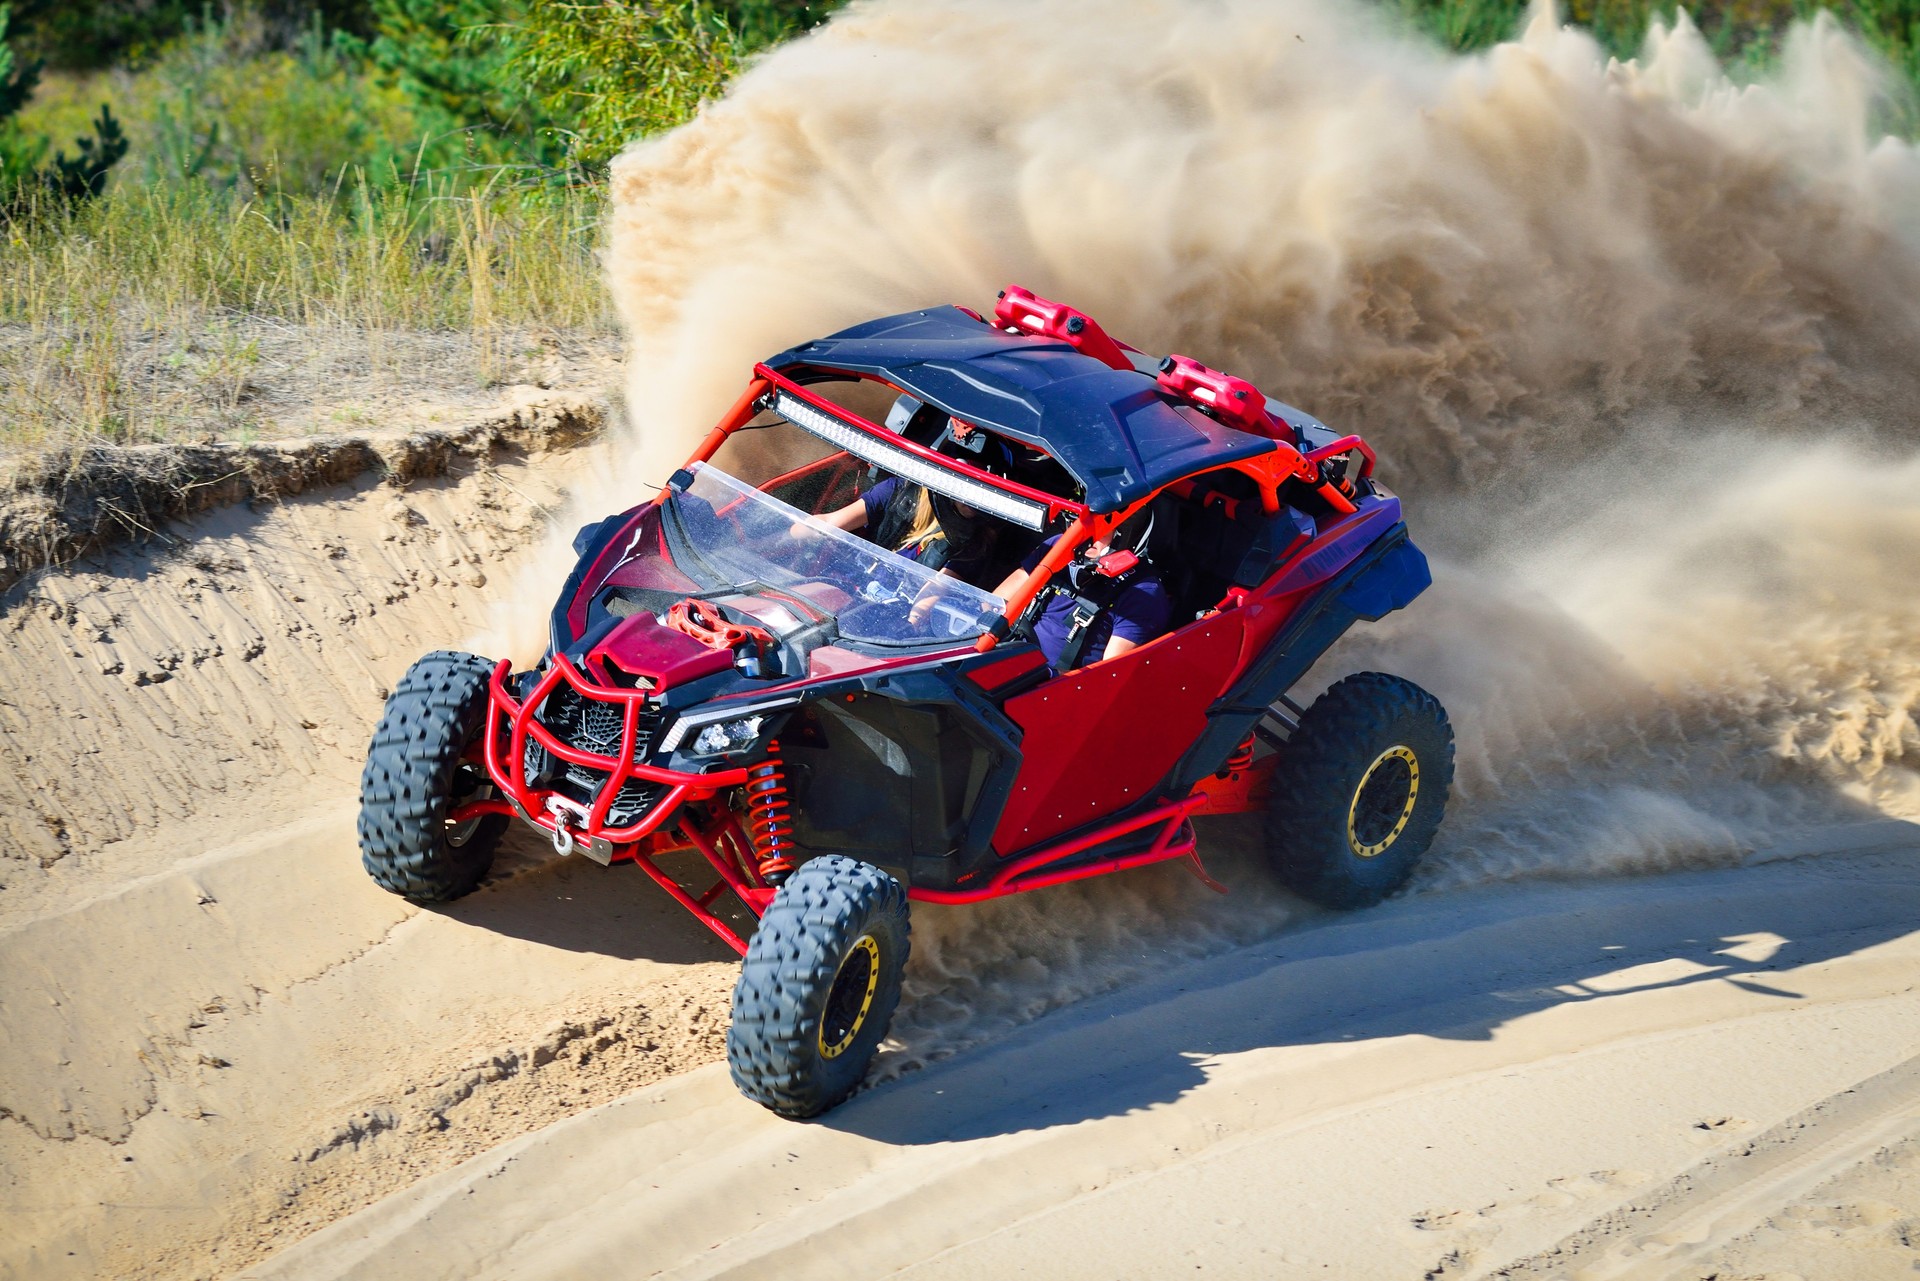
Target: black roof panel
<point>1118,434</point>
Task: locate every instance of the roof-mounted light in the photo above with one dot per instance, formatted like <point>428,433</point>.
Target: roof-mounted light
<point>907,465</point>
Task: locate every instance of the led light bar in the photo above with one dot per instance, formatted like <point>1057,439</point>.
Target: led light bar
<point>910,466</point>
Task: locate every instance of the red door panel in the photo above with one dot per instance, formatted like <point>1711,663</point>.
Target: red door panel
<point>1104,735</point>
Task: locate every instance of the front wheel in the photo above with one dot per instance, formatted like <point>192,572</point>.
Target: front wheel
<point>417,773</point>
<point>1359,790</point>
<point>818,986</point>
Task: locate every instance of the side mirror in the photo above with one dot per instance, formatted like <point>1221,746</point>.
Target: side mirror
<point>1115,564</point>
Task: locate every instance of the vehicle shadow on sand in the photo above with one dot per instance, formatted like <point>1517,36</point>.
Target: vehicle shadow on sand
<point>578,906</point>
<point>1453,966</point>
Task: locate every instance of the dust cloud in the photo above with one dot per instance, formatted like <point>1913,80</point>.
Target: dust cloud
<point>1635,340</point>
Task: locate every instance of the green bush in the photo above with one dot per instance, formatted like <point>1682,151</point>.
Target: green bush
<point>91,35</point>
<point>27,184</point>
<point>1746,32</point>
<point>564,84</point>
<point>225,105</point>
<point>608,72</point>
<point>453,59</point>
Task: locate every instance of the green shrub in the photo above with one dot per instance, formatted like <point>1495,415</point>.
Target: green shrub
<point>25,182</point>
<point>225,105</point>
<point>453,59</point>
<point>92,35</point>
<point>564,84</point>
<point>608,72</point>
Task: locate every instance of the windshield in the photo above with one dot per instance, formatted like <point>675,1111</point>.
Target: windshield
<point>726,535</point>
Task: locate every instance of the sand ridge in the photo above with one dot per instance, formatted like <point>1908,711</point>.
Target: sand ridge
<point>220,1034</point>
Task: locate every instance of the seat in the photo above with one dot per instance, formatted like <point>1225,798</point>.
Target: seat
<point>1223,539</point>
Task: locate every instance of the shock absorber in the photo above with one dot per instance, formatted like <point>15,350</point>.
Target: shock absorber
<point>769,817</point>
<point>1241,759</point>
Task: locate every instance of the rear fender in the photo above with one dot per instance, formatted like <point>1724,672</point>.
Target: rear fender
<point>1385,577</point>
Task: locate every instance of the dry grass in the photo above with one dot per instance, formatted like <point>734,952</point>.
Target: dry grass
<point>183,312</point>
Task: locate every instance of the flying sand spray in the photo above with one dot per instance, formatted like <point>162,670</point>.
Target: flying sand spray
<point>1638,344</point>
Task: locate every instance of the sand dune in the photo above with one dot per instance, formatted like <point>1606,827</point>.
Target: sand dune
<point>218,1033</point>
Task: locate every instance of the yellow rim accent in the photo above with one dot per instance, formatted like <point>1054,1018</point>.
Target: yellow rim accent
<point>867,944</point>
<point>1395,752</point>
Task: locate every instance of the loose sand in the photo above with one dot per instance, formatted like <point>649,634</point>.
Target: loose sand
<point>219,1034</point>
<point>1637,346</point>
<point>1609,1080</point>
<point>221,1037</point>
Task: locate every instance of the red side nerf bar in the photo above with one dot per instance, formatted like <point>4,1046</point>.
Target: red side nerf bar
<point>1175,839</point>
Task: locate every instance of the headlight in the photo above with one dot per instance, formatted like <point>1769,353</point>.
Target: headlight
<point>721,731</point>
<point>727,736</point>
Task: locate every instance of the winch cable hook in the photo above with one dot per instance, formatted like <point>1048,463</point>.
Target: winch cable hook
<point>563,842</point>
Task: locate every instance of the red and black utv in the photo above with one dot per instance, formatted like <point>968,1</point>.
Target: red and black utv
<point>837,728</point>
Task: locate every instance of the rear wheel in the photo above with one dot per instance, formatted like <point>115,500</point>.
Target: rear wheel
<point>416,775</point>
<point>1359,790</point>
<point>818,986</point>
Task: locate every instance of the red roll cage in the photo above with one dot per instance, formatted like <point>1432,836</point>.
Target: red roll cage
<point>1269,471</point>
<point>717,834</point>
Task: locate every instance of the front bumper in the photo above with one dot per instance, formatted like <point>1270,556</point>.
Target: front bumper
<point>511,722</point>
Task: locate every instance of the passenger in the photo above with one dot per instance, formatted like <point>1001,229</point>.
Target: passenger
<point>1086,617</point>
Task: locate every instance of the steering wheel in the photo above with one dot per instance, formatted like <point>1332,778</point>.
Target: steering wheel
<point>815,549</point>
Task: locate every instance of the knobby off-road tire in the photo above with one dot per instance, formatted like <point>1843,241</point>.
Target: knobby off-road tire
<point>1359,790</point>
<point>818,986</point>
<point>415,777</point>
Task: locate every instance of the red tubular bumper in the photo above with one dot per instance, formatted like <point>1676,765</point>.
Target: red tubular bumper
<point>538,805</point>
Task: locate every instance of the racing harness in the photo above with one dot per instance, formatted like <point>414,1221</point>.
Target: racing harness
<point>1093,588</point>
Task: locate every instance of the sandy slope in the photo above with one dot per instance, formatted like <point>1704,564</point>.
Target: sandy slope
<point>220,1038</point>
<point>218,1034</point>
<point>1531,1081</point>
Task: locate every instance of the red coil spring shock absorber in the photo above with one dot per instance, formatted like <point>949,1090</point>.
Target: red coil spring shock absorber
<point>769,818</point>
<point>1241,759</point>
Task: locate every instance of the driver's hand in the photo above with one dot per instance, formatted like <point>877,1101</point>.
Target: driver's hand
<point>921,609</point>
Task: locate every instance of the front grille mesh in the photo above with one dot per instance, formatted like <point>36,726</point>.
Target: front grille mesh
<point>593,725</point>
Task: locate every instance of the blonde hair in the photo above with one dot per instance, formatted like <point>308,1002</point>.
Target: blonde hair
<point>925,527</point>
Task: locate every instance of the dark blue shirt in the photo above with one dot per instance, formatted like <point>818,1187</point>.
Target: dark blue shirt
<point>967,560</point>
<point>875,500</point>
<point>1141,612</point>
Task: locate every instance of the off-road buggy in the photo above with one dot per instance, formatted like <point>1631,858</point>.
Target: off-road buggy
<point>837,730</point>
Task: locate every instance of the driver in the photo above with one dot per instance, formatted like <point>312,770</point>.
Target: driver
<point>940,533</point>
<point>923,526</point>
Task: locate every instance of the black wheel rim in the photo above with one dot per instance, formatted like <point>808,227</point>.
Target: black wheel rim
<point>1383,802</point>
<point>469,785</point>
<point>850,999</point>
